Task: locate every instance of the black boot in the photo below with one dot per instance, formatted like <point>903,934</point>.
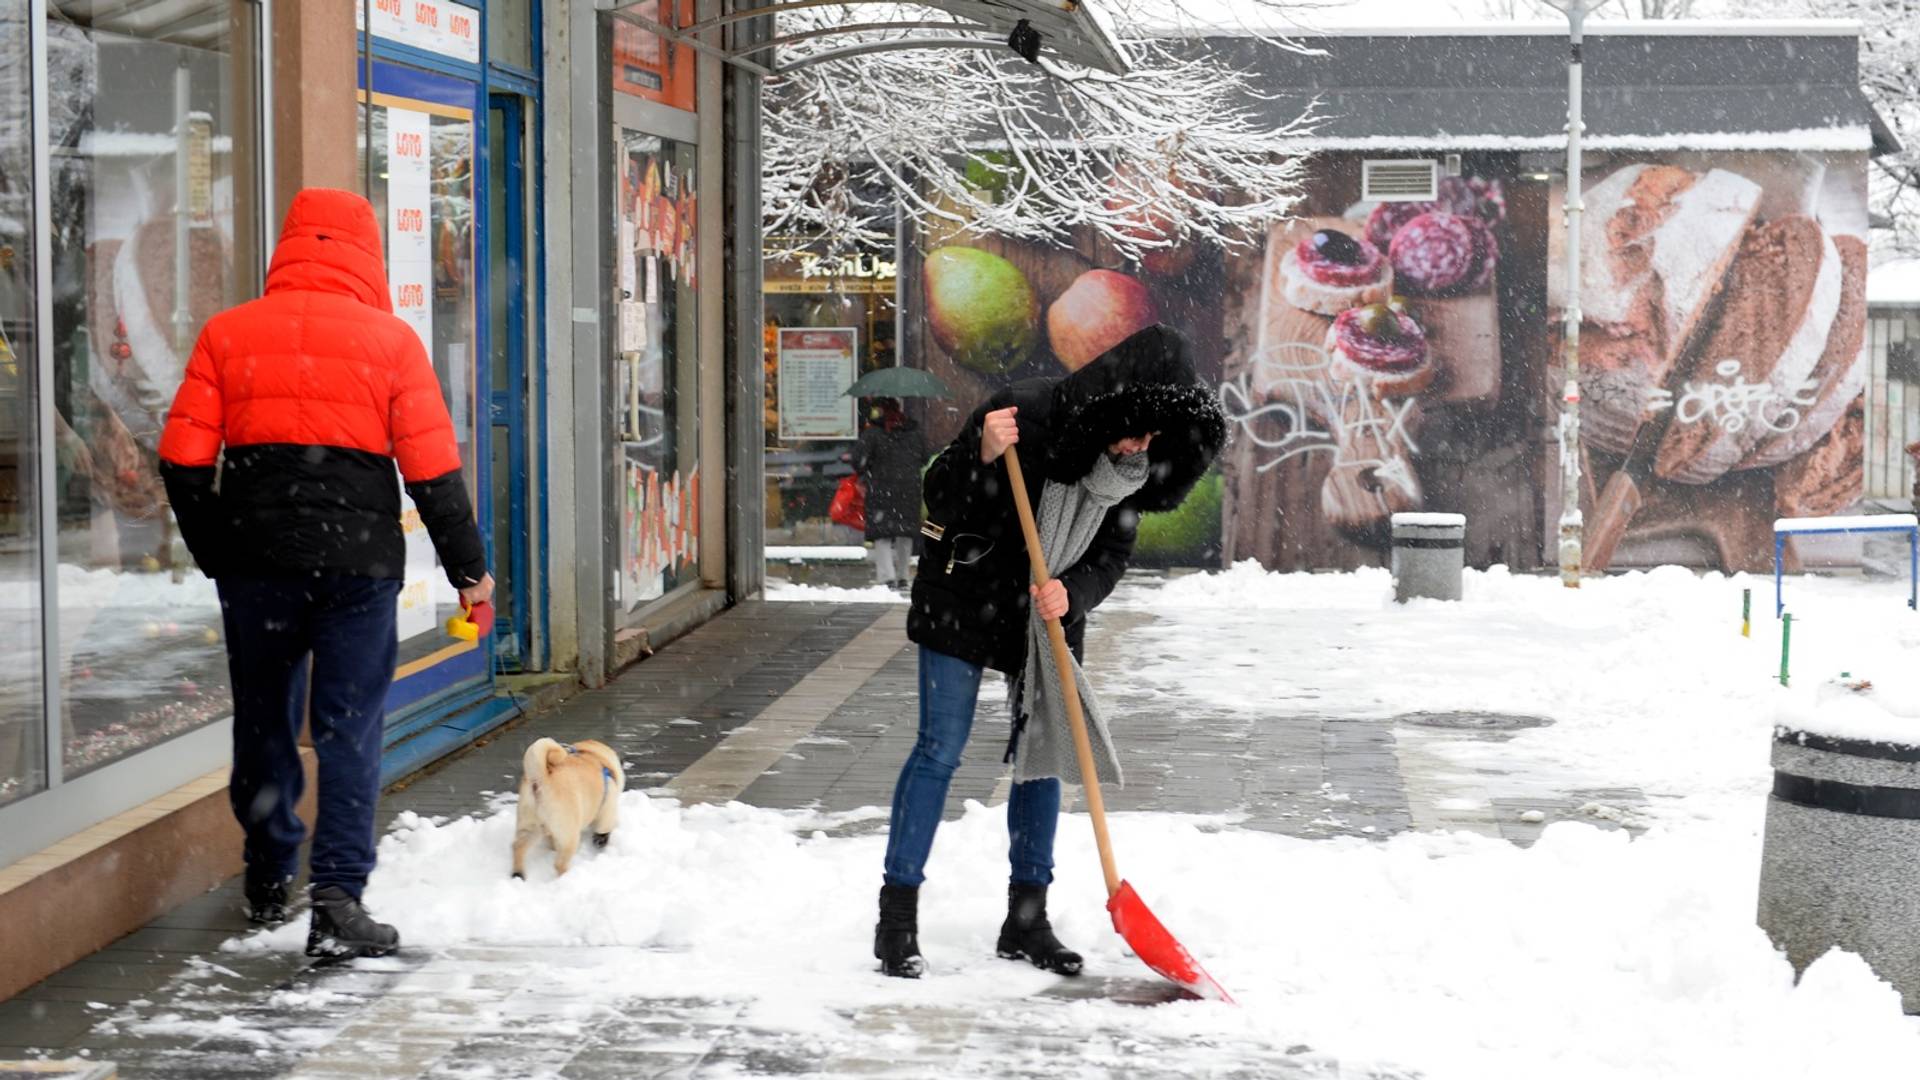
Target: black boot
<point>266,900</point>
<point>1026,935</point>
<point>342,929</point>
<point>896,940</point>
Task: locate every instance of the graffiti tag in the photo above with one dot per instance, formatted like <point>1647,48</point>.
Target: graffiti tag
<point>1735,402</point>
<point>1290,388</point>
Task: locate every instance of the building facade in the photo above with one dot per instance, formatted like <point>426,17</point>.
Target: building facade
<point>570,205</point>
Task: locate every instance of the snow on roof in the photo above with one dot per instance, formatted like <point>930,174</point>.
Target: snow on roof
<point>1227,21</point>
<point>1841,137</point>
<point>1895,283</point>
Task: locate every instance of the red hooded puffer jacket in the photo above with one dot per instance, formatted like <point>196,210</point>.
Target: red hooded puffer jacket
<point>314,391</point>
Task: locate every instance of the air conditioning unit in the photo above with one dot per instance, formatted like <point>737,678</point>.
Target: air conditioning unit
<point>1410,180</point>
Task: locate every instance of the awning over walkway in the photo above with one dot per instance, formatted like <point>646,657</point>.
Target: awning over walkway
<point>1067,30</point>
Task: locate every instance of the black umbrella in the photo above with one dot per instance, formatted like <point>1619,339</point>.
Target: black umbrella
<point>898,382</point>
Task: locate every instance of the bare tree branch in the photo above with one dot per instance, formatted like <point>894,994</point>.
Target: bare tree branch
<point>1179,149</point>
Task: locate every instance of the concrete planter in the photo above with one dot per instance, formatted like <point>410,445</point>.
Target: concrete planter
<point>1840,863</point>
<point>1429,554</point>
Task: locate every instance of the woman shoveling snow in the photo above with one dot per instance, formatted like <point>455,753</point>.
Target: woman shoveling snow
<point>1131,432</point>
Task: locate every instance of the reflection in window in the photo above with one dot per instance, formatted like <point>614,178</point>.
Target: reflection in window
<point>23,750</point>
<point>430,276</point>
<point>153,232</point>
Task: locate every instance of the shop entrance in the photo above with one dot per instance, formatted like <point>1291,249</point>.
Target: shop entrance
<point>510,312</point>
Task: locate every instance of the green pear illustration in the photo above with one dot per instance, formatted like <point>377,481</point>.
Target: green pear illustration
<point>982,309</point>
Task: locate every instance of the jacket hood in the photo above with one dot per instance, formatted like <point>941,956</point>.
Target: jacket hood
<point>331,243</point>
<point>1145,383</point>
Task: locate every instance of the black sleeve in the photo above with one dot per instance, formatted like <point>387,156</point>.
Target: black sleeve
<point>1092,579</point>
<point>955,483</point>
<point>196,507</point>
<point>958,488</point>
<point>863,452</point>
<point>448,515</point>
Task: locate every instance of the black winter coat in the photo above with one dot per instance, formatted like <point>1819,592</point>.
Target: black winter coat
<point>970,595</point>
<point>890,463</point>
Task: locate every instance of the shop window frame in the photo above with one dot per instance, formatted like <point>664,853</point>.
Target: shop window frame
<point>68,805</point>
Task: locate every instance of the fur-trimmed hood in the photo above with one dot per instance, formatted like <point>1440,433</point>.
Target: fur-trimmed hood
<point>1144,384</point>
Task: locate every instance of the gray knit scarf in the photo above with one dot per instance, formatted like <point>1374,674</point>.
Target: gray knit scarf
<point>1068,520</point>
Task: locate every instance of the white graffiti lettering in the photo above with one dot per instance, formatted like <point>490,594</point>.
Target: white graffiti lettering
<point>1290,387</point>
<point>1734,403</point>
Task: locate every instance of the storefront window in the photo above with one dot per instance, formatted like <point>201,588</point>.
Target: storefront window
<point>154,231</point>
<point>656,377</point>
<point>23,751</point>
<point>806,463</point>
<point>422,171</point>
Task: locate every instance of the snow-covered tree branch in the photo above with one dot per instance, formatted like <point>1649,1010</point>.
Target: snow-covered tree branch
<point>982,141</point>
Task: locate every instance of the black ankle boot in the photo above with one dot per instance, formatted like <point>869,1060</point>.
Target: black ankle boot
<point>896,940</point>
<point>1026,935</point>
<point>266,900</point>
<point>342,928</point>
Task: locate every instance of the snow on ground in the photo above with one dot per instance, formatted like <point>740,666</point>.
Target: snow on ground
<point>1646,677</point>
<point>1590,954</point>
<point>786,591</point>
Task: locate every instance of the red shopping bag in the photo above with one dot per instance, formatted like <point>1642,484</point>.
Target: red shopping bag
<point>849,506</point>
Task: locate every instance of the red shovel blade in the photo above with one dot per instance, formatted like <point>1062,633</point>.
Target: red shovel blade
<point>1155,946</point>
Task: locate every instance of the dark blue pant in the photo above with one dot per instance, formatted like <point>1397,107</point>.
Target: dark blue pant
<point>949,688</point>
<point>274,625</point>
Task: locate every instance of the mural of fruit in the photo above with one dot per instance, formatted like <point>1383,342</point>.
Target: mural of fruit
<point>1151,224</point>
<point>981,308</point>
<point>1099,310</point>
<point>1189,534</point>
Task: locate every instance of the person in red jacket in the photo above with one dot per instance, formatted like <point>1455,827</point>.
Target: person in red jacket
<point>279,459</point>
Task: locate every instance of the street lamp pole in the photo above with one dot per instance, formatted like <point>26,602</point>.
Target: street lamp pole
<point>1571,522</point>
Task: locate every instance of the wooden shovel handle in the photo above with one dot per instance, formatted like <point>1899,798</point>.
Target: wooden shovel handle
<point>1063,662</point>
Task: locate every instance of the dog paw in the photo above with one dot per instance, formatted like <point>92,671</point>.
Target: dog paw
<point>600,839</point>
<point>518,876</point>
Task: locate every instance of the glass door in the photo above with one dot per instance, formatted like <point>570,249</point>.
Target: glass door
<point>510,310</point>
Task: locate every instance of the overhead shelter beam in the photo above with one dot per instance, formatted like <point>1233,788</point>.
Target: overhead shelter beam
<point>1070,31</point>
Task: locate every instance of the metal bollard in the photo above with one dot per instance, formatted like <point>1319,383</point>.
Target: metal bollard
<point>1429,554</point>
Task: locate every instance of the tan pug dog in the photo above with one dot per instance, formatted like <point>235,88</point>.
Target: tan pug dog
<point>563,790</point>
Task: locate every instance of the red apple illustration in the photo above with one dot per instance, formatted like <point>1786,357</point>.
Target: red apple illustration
<point>1168,255</point>
<point>1099,310</point>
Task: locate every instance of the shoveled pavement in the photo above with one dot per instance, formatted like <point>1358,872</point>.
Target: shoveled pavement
<point>777,705</point>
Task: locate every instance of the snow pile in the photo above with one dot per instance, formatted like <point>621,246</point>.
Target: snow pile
<point>1588,955</point>
<point>1882,710</point>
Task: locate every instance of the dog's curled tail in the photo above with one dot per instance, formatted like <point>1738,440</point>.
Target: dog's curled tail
<point>542,756</point>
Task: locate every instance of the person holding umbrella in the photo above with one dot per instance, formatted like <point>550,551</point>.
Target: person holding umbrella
<point>888,460</point>
<point>1130,432</point>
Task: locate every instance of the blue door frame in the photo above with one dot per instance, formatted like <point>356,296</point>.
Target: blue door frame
<point>462,675</point>
<point>507,404</point>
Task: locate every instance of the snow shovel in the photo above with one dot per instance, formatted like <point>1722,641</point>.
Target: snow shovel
<point>1150,941</point>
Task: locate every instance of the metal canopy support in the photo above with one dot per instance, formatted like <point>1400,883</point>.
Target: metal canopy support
<point>1070,31</point>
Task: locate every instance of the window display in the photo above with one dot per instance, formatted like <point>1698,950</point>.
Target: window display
<point>422,171</point>
<point>656,370</point>
<point>23,729</point>
<point>153,225</point>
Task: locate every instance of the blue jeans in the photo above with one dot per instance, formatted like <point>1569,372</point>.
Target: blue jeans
<point>949,688</point>
<point>346,626</point>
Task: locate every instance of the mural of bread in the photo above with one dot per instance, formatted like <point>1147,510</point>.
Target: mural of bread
<point>1828,478</point>
<point>1658,240</point>
<point>1783,295</point>
<point>1839,377</point>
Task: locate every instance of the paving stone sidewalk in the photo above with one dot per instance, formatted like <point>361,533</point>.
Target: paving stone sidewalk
<point>779,705</point>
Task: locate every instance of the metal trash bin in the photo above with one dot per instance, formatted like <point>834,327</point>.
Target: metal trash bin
<point>1837,863</point>
<point>1429,554</point>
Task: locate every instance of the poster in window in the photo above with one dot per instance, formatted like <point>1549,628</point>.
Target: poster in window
<point>649,66</point>
<point>816,367</point>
